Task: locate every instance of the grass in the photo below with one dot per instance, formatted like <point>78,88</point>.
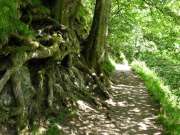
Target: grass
<point>170,105</point>
<point>166,67</point>
<point>108,66</point>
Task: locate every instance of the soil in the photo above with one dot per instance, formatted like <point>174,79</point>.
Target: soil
<point>131,110</point>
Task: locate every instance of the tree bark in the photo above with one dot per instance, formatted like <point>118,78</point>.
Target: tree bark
<point>39,77</point>
<point>65,11</point>
<point>95,43</point>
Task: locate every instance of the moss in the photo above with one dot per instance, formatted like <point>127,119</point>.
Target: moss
<point>53,130</point>
<point>49,78</point>
<point>108,67</point>
<point>9,20</point>
<point>36,2</point>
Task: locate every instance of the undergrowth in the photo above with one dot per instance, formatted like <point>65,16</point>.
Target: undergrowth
<point>166,67</point>
<point>108,66</point>
<point>9,20</point>
<point>53,124</point>
<point>170,106</point>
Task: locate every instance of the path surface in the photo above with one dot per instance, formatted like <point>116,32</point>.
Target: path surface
<point>131,110</point>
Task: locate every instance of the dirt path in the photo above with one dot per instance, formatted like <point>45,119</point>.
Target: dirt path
<point>131,110</point>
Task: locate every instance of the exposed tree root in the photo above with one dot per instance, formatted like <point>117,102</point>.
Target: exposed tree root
<point>42,52</point>
<point>43,74</point>
<point>100,89</point>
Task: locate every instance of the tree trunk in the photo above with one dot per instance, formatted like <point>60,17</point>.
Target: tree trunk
<point>65,11</point>
<point>40,73</point>
<point>95,43</point>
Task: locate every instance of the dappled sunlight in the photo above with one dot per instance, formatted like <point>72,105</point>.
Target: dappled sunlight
<point>84,106</point>
<point>120,86</point>
<point>112,103</point>
<point>122,67</point>
<point>130,111</point>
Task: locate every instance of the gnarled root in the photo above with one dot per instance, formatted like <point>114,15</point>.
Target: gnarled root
<point>100,89</point>
<point>42,52</point>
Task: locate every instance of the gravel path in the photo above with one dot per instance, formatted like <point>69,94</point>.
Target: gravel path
<point>131,110</point>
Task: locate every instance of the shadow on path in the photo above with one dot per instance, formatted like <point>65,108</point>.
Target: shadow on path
<point>131,110</point>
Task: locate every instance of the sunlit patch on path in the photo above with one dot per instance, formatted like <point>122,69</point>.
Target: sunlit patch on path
<point>131,110</point>
<point>123,67</point>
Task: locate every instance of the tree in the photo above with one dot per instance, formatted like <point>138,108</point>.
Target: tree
<point>41,68</point>
<point>95,42</point>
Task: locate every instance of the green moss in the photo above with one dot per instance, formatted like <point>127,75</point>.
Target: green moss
<point>54,121</point>
<point>53,131</point>
<point>83,19</point>
<point>9,19</point>
<point>36,2</point>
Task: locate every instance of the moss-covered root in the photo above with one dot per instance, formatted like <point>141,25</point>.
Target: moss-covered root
<point>101,90</point>
<point>21,57</point>
<point>23,92</point>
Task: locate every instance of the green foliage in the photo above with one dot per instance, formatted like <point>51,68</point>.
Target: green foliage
<point>141,26</point>
<point>9,19</point>
<point>53,130</point>
<point>54,124</point>
<point>169,102</point>
<point>54,121</point>
<point>149,31</point>
<point>166,67</point>
<point>36,2</point>
<point>108,67</point>
<point>60,118</point>
<point>83,18</point>
<point>89,5</point>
